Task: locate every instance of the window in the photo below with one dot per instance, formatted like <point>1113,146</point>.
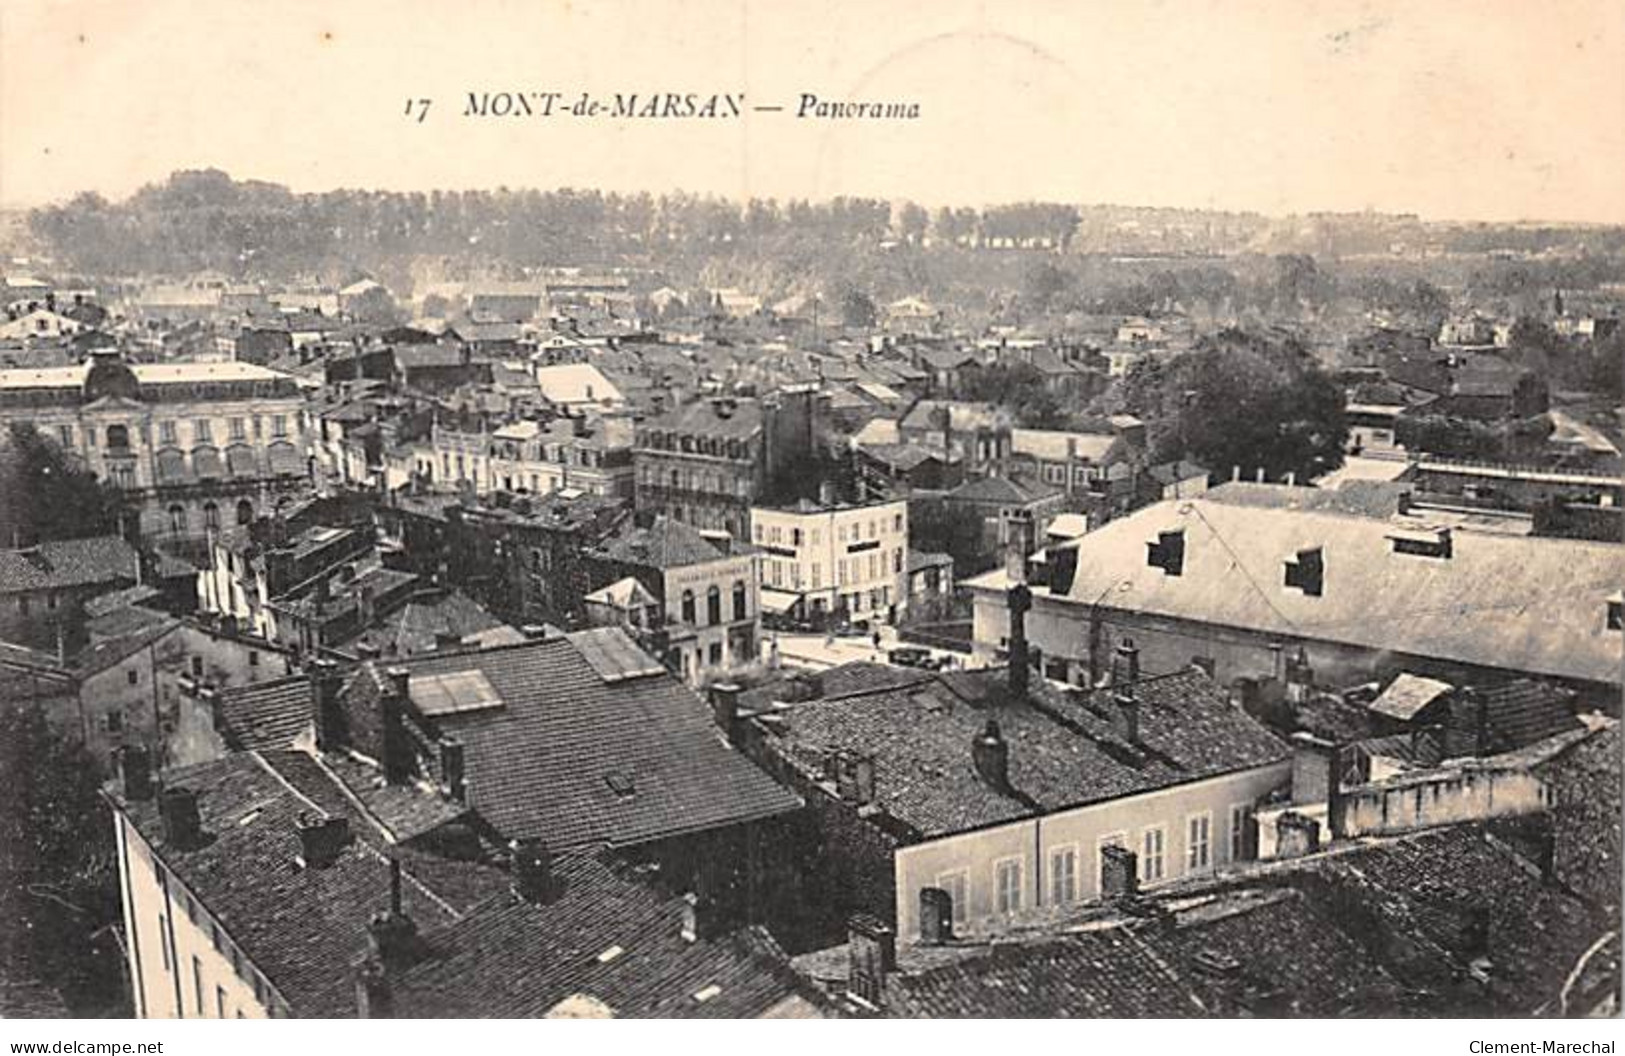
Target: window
<point>688,606</point>
<point>741,600</point>
<point>279,425</point>
<point>957,884</point>
<point>66,434</point>
<point>211,515</point>
<point>118,436</point>
<point>163,939</point>
<point>133,676</point>
<point>115,722</point>
<point>177,519</point>
<point>897,523</point>
<point>1063,875</point>
<point>795,537</point>
<point>713,606</point>
<point>817,575</point>
<point>22,604</point>
<point>1198,841</point>
<point>1007,885</point>
<point>238,428</point>
<point>253,658</point>
<point>197,986</point>
<point>897,560</point>
<point>220,1002</point>
<point>202,430</point>
<point>197,665</point>
<point>714,654</point>
<point>1307,572</point>
<point>1110,839</point>
<point>1240,816</point>
<point>1153,851</point>
<point>1167,553</point>
<point>1616,615</point>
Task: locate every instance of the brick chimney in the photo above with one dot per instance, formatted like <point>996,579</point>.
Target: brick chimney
<point>991,756</point>
<point>177,810</point>
<point>1126,713</point>
<point>135,768</point>
<point>532,867</point>
<point>452,768</point>
<point>1018,599</point>
<point>1468,725</point>
<point>700,919</point>
<point>322,840</point>
<point>392,936</point>
<point>326,680</point>
<point>936,916</point>
<point>1119,872</point>
<point>1126,663</point>
<point>1296,835</point>
<point>725,709</point>
<point>374,998</point>
<point>855,777</point>
<point>1317,771</point>
<point>872,949</point>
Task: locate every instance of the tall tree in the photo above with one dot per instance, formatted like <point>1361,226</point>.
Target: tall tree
<point>44,495</point>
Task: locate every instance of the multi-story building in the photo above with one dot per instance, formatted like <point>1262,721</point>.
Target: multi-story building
<point>1244,576</point>
<point>707,592</point>
<point>823,561</point>
<point>992,796</point>
<point>194,446</point>
<point>707,462</point>
<point>43,588</point>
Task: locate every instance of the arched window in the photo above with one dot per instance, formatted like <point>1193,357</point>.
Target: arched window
<point>688,607</point>
<point>245,512</point>
<point>118,436</point>
<point>177,519</point>
<point>211,515</point>
<point>740,600</point>
<point>713,606</point>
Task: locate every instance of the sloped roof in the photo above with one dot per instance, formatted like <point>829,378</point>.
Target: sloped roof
<point>1050,445</point>
<point>666,543</point>
<point>303,928</point>
<point>1064,752</point>
<point>1408,694</point>
<point>607,942</point>
<point>267,716</point>
<point>569,383</point>
<point>66,563</point>
<point>539,765</point>
<point>1005,490</point>
<point>1512,602</point>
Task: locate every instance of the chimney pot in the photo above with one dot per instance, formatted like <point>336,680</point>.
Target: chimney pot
<point>325,683</point>
<point>872,947</point>
<point>453,761</point>
<point>991,755</point>
<point>1119,872</point>
<point>322,840</point>
<point>1128,714</point>
<point>1126,669</point>
<point>178,811</point>
<point>532,869</point>
<point>400,682</point>
<point>135,766</point>
<point>373,996</point>
<point>725,708</point>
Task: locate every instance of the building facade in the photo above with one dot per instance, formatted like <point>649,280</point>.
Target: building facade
<point>820,560</point>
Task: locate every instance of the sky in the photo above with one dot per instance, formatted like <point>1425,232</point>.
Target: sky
<point>1487,110</point>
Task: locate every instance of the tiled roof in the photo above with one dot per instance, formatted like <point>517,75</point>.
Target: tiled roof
<point>67,563</point>
<point>666,543</point>
<point>1517,603</point>
<point>919,561</point>
<point>1064,750</point>
<point>103,604</point>
<point>701,418</point>
<point>266,716</point>
<point>101,655</point>
<point>119,622</point>
<point>1050,445</point>
<point>1002,490</point>
<point>420,623</point>
<point>303,928</point>
<point>607,941</point>
<point>1408,694</point>
<point>1586,781</point>
<point>540,765</point>
<point>1522,712</point>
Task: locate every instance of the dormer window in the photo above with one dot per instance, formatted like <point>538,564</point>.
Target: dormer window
<point>1616,617</point>
<point>1425,542</point>
<point>1167,553</point>
<point>1307,572</point>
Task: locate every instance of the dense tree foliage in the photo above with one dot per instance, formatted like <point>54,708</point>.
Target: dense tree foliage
<point>1020,388</point>
<point>58,870</point>
<point>44,495</point>
<point>1240,399</point>
<point>1451,437</point>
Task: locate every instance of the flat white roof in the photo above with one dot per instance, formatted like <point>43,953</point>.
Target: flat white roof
<point>145,373</point>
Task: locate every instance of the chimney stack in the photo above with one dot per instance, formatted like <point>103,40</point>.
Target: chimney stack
<point>936,916</point>
<point>725,708</point>
<point>1018,600</point>
<point>532,869</point>
<point>1296,835</point>
<point>177,809</point>
<point>991,756</point>
<point>699,920</point>
<point>452,764</point>
<point>135,767</point>
<point>322,840</point>
<point>1126,664</point>
<point>826,493</point>
<point>1119,872</point>
<point>872,947</point>
<point>1127,707</point>
<point>1317,772</point>
<point>400,682</point>
<point>373,997</point>
<point>325,683</point>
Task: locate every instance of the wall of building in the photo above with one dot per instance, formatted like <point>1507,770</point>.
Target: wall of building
<point>175,949</point>
<point>852,558</point>
<point>1085,831</point>
<point>714,647</point>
